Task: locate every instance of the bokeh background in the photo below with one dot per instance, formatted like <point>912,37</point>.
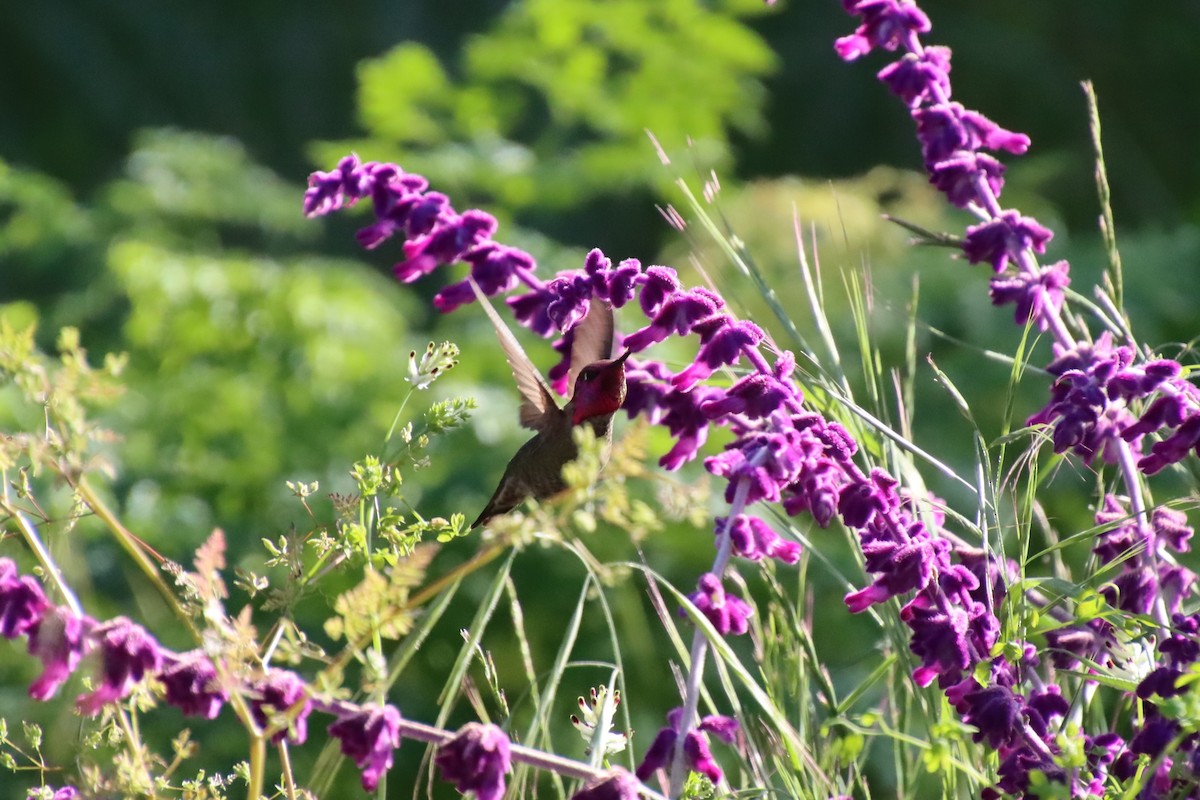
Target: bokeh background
<point>153,158</point>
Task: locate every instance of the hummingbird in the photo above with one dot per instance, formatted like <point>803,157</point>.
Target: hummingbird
<point>599,381</point>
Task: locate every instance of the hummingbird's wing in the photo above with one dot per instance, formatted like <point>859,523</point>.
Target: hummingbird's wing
<point>537,403</point>
<point>593,338</point>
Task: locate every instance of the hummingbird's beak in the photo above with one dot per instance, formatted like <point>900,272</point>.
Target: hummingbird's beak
<point>621,359</point>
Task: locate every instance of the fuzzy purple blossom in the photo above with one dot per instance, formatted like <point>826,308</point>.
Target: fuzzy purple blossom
<point>1038,296</point>
<point>282,694</point>
<point>886,24</point>
<point>192,685</point>
<point>727,613</point>
<point>127,654</point>
<point>22,602</point>
<point>59,641</point>
<point>615,784</point>
<point>1003,238</point>
<point>697,753</point>
<point>476,760</point>
<point>370,736</point>
<point>755,540</point>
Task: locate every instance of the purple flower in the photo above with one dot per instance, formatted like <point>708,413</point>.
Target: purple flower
<point>770,460</point>
<point>963,175</point>
<point>615,784</point>
<point>616,285</point>
<point>59,641</point>
<point>754,539</point>
<point>940,638</point>
<point>660,284</point>
<point>679,313</point>
<point>695,745</point>
<point>919,78</point>
<point>1079,400</point>
<point>687,424</point>
<point>1003,239</point>
<point>996,712</point>
<point>476,760</point>
<point>659,752</point>
<point>281,693</point>
<point>496,268</point>
<point>66,793</point>
<point>192,687</point>
<point>722,342</point>
<point>860,501</point>
<point>1038,296</point>
<point>22,602</point>
<point>901,564</point>
<point>1171,528</point>
<point>946,127</point>
<point>370,736</point>
<point>127,653</point>
<point>727,613</point>
<point>756,395</point>
<point>885,23</point>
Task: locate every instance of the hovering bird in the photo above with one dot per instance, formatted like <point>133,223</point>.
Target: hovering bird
<point>599,381</point>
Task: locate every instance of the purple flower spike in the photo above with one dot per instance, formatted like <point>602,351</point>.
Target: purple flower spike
<point>60,641</point>
<point>722,343</point>
<point>885,23</point>
<point>22,602</point>
<point>754,539</point>
<point>192,687</point>
<point>757,395</point>
<point>679,313</point>
<point>959,176</point>
<point>695,745</point>
<point>727,613</point>
<point>661,284</point>
<point>278,693</point>
<point>127,653</point>
<point>616,784</point>
<point>370,737</point>
<point>1170,526</point>
<point>659,753</point>
<point>724,728</point>
<point>614,284</point>
<point>1038,296</point>
<point>939,638</point>
<point>996,712</point>
<point>1002,239</point>
<point>919,78</point>
<point>700,757</point>
<point>476,760</point>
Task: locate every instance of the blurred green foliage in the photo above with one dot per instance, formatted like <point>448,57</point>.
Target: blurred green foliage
<point>551,107</point>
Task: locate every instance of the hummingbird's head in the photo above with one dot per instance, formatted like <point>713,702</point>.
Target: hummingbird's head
<point>599,388</point>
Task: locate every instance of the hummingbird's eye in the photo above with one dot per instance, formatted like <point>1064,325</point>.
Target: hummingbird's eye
<point>587,375</point>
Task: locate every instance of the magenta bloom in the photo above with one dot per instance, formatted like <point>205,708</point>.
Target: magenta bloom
<point>22,602</point>
<point>727,613</point>
<point>276,694</point>
<point>755,540</point>
<point>616,784</point>
<point>1002,239</point>
<point>370,737</point>
<point>191,683</point>
<point>476,760</point>
<point>695,745</point>
<point>59,641</point>
<point>127,654</point>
